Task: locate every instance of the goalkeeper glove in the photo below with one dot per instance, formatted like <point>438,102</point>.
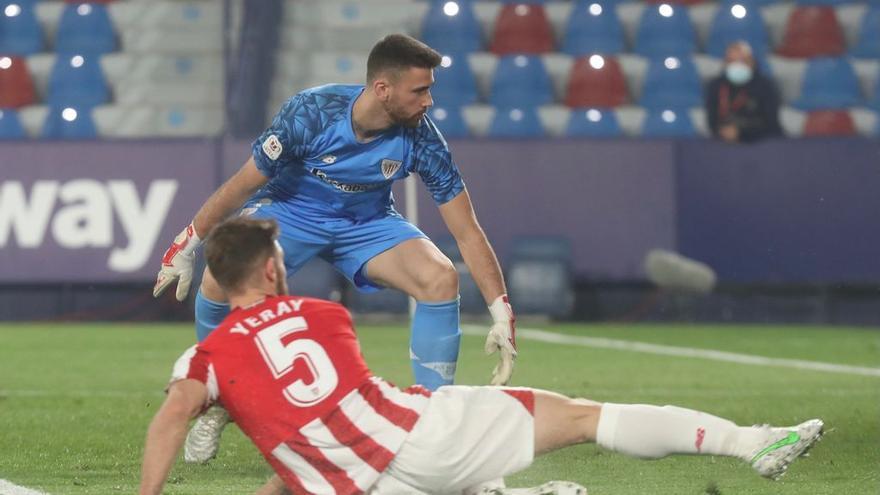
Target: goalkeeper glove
<point>502,338</point>
<point>177,263</point>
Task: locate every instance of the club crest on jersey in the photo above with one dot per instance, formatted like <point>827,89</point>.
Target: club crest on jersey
<point>390,167</point>
<point>328,159</point>
<point>272,147</point>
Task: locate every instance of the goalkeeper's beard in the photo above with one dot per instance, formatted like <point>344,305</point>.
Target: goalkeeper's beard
<point>400,117</point>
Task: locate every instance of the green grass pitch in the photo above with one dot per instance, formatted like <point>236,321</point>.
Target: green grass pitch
<point>75,401</point>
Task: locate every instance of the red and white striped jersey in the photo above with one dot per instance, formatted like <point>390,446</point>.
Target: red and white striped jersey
<point>290,372</point>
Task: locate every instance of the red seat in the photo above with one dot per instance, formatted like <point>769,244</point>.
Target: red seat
<point>601,87</point>
<point>16,85</point>
<point>812,31</point>
<point>829,123</point>
<point>522,28</point>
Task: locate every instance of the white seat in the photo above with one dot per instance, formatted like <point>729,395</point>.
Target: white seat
<point>131,91</point>
<point>554,119</point>
<point>792,121</point>
<point>558,66</point>
<point>193,69</point>
<point>699,119</point>
<point>850,18</point>
<point>634,68</point>
<point>167,16</point>
<point>179,121</point>
<point>630,13</point>
<point>326,66</point>
<point>172,42</point>
<point>708,67</point>
<point>125,121</point>
<point>39,66</point>
<point>483,65</point>
<point>349,14</point>
<point>789,75</point>
<point>49,15</point>
<point>486,13</point>
<point>702,16</point>
<point>865,121</point>
<point>631,118</point>
<point>32,118</point>
<point>867,71</point>
<point>478,119</point>
<point>558,14</point>
<point>775,18</point>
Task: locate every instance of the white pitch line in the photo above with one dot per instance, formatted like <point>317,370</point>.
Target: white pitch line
<point>691,352</point>
<point>7,488</point>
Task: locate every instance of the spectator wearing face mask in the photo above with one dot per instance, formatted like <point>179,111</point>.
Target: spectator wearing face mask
<point>742,105</point>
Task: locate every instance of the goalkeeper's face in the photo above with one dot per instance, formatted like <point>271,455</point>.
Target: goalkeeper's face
<point>410,96</point>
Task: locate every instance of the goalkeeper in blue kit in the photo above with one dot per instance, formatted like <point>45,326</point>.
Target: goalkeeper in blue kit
<point>323,170</point>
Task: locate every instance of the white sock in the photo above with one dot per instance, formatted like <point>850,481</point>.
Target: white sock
<point>652,432</point>
<point>484,487</point>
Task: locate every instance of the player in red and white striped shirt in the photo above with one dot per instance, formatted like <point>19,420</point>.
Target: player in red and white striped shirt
<point>290,372</point>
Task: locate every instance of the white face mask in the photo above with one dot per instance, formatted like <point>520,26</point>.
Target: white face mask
<point>738,73</point>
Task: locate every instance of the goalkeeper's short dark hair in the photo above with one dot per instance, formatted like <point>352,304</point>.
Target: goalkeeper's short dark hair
<point>397,52</point>
<point>237,247</point>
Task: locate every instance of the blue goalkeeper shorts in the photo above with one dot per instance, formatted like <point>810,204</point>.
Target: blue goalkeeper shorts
<point>346,244</point>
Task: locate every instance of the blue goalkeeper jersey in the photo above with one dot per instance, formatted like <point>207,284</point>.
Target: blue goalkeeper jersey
<point>317,167</point>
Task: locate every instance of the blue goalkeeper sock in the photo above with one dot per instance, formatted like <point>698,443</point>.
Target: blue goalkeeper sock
<point>209,314</point>
<point>434,342</point>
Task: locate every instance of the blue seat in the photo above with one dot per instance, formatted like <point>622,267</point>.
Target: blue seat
<point>20,33</point>
<point>875,102</point>
<point>453,30</point>
<point>450,122</point>
<point>665,30</point>
<point>593,28</point>
<point>668,123</point>
<point>69,123</point>
<point>832,3</point>
<point>737,21</point>
<point>539,276</point>
<point>10,125</point>
<point>521,81</point>
<point>868,44</point>
<point>829,83</point>
<point>454,82</point>
<point>85,29</point>
<point>592,122</point>
<point>672,82</point>
<point>514,122</point>
<point>77,80</point>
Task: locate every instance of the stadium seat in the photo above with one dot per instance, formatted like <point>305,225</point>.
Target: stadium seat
<point>736,21</point>
<point>668,123</point>
<point>10,125</point>
<point>512,122</point>
<point>593,27</point>
<point>452,29</point>
<point>521,81</point>
<point>85,29</point>
<point>16,86</point>
<point>812,31</point>
<point>596,81</point>
<point>90,1</point>
<point>69,123</point>
<point>539,276</point>
<point>522,28</point>
<point>20,32</point>
<point>868,43</point>
<point>829,83</point>
<point>829,123</point>
<point>77,80</point>
<point>592,122</point>
<point>875,101</point>
<point>831,3</point>
<point>454,82</point>
<point>181,121</point>
<point>450,121</point>
<point>665,30</point>
<point>672,82</point>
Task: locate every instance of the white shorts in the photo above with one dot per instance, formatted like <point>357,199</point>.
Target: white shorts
<point>465,436</point>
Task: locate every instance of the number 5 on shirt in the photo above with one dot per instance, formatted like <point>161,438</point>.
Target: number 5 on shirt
<point>316,376</point>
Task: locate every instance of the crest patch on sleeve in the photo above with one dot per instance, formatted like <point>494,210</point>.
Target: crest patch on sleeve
<point>272,147</point>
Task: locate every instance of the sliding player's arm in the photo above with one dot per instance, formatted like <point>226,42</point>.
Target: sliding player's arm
<point>458,214</point>
<point>185,400</point>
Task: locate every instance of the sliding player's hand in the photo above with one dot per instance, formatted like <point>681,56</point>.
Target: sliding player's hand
<point>502,339</point>
<point>177,264</point>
